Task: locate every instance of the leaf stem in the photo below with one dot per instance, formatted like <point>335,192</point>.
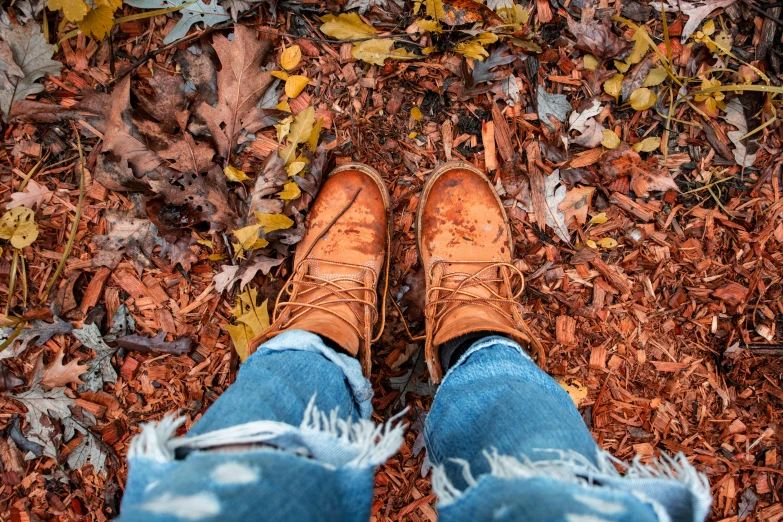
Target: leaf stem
<point>12,280</point>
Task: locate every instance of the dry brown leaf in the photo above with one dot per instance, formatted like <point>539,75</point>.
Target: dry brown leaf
<point>598,39</point>
<point>59,374</point>
<point>241,83</point>
<point>576,204</point>
<point>33,196</point>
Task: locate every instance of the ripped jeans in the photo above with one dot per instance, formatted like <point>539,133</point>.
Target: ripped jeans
<point>292,440</point>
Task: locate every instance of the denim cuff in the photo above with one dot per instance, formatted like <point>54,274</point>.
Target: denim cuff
<point>487,342</point>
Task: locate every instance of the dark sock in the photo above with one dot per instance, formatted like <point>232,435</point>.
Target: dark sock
<point>451,351</point>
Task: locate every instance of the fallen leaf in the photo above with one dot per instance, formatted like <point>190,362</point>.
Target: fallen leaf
<point>259,263</point>
<point>556,105</point>
<point>74,10</point>
<point>295,84</point>
<point>598,39</point>
<point>290,191</point>
<point>90,447</point>
<point>655,77</point>
<point>40,404</point>
<point>31,60</point>
<point>647,144</point>
<point>747,504</point>
<point>101,369</point>
<point>192,11</point>
<point>696,12</point>
<point>610,139</point>
<point>125,236</point>
<point>614,85</point>
<point>642,98</point>
<point>59,374</point>
<point>226,278</point>
<point>346,26</point>
<point>252,319</point>
<point>157,344</point>
<point>376,51</point>
<point>607,242</point>
<point>272,222</point>
<point>416,113</point>
<point>555,194</point>
<point>8,379</point>
<point>269,181</point>
<point>576,204</point>
<point>300,131</point>
<point>97,22</point>
<point>590,131</point>
<point>40,331</point>
<point>18,226</point>
<point>575,389</point>
<point>290,57</point>
<point>735,116</point>
<point>599,219</point>
<point>234,174</point>
<point>33,196</point>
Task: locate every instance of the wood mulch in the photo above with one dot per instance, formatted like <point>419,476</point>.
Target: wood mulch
<point>676,332</point>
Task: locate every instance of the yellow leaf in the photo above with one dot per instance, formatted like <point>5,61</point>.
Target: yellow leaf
<point>294,85</point>
<point>611,140</point>
<point>416,7</point>
<point>416,113</point>
<point>217,257</point>
<point>621,66</point>
<point>280,75</point>
<point>432,26</point>
<point>412,135</point>
<point>74,10</point>
<point>590,62</point>
<point>378,50</point>
<point>471,49</point>
<point>114,4</point>
<point>428,50</point>
<point>97,22</point>
<point>606,242</point>
<point>576,390</point>
<point>234,174</point>
<point>640,48</point>
<point>283,128</point>
<point>590,243</point>
<point>723,41</point>
<point>647,144</point>
<point>599,219</point>
<point>252,320</point>
<point>346,26</point>
<point>272,222</point>
<point>642,98</point>
<point>246,237</point>
<point>435,9</point>
<point>514,15</point>
<point>18,225</point>
<point>290,191</point>
<point>486,38</point>
<point>709,28</point>
<point>295,168</point>
<point>283,106</point>
<point>299,132</point>
<point>205,242</point>
<point>312,141</point>
<point>259,243</point>
<point>614,85</point>
<point>656,77</point>
<point>290,57</point>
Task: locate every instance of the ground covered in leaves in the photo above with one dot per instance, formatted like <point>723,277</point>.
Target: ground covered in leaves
<point>159,161</point>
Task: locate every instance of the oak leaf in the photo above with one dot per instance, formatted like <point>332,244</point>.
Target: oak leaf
<point>576,204</point>
<point>30,60</point>
<point>59,374</point>
<point>192,12</point>
<point>598,39</point>
<point>33,196</point>
<point>241,84</point>
<point>251,320</point>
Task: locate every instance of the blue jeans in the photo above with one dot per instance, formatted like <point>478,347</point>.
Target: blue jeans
<point>292,439</point>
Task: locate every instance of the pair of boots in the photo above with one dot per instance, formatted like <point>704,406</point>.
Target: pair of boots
<point>465,247</point>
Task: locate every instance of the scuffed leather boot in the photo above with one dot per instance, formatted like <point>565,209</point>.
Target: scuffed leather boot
<point>465,245</point>
<point>332,290</point>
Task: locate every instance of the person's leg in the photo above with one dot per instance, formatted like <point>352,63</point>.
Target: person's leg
<point>291,439</point>
<point>508,443</point>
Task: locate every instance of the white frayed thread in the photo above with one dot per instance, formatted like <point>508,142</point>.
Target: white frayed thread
<point>188,507</point>
<point>575,468</point>
<point>151,443</point>
<point>369,444</point>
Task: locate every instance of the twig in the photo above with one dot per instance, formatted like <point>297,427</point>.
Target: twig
<point>76,219</point>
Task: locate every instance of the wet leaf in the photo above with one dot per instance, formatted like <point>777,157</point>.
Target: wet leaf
<point>590,62</point>
<point>18,226</point>
<point>40,405</point>
<point>576,204</point>
<point>606,242</point>
<point>272,222</point>
<point>291,57</point>
<point>346,26</point>
<point>642,98</point>
<point>599,219</point>
<point>598,39</point>
<point>90,448</point>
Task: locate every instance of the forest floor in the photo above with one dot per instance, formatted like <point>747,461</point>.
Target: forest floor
<point>639,159</point>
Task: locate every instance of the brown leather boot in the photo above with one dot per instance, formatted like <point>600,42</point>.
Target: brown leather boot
<point>332,290</point>
<point>465,246</point>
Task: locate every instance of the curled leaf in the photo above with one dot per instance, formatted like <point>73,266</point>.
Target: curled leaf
<point>234,174</point>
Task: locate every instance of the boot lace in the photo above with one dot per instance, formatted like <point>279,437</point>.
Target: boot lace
<point>306,293</point>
